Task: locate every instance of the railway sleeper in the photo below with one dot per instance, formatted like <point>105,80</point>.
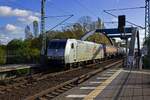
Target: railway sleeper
<point>83,79</point>
<point>50,96</point>
<point>22,86</point>
<point>28,84</point>
<point>2,92</point>
<point>64,88</point>
<point>68,86</point>
<point>8,90</point>
<point>16,87</point>
<point>55,93</point>
<point>60,90</point>
<point>72,85</point>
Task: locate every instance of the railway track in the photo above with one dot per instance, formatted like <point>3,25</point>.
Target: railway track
<point>55,91</point>
<point>28,86</point>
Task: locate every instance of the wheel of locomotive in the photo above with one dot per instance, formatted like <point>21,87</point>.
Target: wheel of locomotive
<point>76,64</point>
<point>86,62</point>
<point>79,64</point>
<point>71,66</point>
<point>66,66</point>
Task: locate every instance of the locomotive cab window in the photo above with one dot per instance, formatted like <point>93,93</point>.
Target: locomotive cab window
<point>57,45</point>
<point>72,46</point>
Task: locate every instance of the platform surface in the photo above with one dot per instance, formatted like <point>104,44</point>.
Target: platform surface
<point>117,84</point>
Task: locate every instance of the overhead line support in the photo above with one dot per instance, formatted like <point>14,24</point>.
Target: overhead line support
<point>147,17</point>
<point>126,20</point>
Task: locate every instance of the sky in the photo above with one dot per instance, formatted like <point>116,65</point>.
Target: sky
<point>16,14</point>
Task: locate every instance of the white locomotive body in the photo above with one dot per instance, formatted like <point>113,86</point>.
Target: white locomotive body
<point>72,51</point>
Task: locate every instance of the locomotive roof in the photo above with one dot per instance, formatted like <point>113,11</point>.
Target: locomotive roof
<point>61,40</point>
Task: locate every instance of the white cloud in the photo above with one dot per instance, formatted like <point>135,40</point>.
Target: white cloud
<point>4,39</point>
<point>37,14</point>
<point>32,18</point>
<point>22,15</point>
<point>10,27</point>
<point>5,11</point>
<point>8,11</point>
<point>2,36</point>
<point>29,19</point>
<point>9,32</point>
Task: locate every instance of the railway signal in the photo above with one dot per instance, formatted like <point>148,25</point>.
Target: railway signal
<point>121,23</point>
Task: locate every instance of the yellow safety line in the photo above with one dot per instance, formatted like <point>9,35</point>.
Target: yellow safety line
<point>101,87</point>
<point>137,72</point>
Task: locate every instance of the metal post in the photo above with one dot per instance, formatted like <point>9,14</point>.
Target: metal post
<point>139,53</point>
<point>43,50</point>
<point>147,17</point>
<point>43,26</point>
<point>126,51</point>
<point>131,48</point>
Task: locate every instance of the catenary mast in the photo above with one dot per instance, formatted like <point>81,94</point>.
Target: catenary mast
<point>147,17</point>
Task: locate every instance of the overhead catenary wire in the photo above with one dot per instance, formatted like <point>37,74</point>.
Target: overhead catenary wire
<point>58,16</point>
<point>126,20</point>
<point>112,22</point>
<point>60,23</point>
<point>125,9</point>
<point>85,7</point>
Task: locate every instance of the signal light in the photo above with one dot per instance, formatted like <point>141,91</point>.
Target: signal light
<point>121,23</point>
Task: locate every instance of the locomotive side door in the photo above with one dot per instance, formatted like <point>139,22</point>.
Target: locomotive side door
<point>74,48</point>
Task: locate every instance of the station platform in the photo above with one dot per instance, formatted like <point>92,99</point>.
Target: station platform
<point>112,84</point>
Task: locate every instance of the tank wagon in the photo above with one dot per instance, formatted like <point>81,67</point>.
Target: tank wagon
<point>109,51</point>
<point>121,51</point>
<point>72,52</point>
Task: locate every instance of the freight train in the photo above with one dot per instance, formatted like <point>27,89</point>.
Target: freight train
<point>72,52</point>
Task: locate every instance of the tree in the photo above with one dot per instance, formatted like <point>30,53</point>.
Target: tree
<point>99,38</point>
<point>27,51</point>
<point>146,58</point>
<point>85,22</point>
<point>147,43</point>
<point>14,48</point>
<point>2,54</point>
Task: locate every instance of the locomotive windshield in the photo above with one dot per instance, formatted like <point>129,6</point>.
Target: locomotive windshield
<point>57,44</point>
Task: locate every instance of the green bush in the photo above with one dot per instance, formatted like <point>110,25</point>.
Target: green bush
<point>23,71</point>
<point>27,51</point>
<point>2,56</point>
<point>146,62</point>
